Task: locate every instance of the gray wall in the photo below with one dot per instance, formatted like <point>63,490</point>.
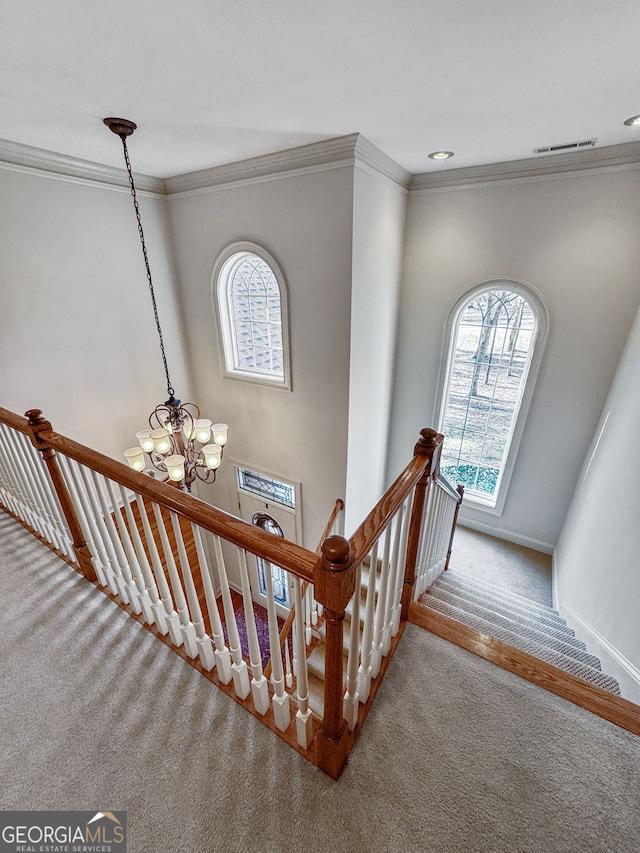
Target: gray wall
<point>305,222</point>
<point>574,238</point>
<point>597,561</point>
<point>77,335</point>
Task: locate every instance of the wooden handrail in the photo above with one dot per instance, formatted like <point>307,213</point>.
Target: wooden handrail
<point>369,531</point>
<point>288,555</point>
<point>14,421</point>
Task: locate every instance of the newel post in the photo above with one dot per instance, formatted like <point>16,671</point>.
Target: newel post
<point>334,585</point>
<point>37,425</point>
<point>428,447</point>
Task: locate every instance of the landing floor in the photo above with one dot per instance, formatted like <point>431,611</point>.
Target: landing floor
<point>512,567</point>
<point>457,756</point>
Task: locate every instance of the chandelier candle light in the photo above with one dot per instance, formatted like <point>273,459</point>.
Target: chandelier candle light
<point>180,444</point>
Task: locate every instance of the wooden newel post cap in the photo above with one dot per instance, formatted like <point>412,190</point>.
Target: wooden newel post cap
<point>427,442</point>
<point>335,550</point>
<point>35,417</point>
<point>334,578</point>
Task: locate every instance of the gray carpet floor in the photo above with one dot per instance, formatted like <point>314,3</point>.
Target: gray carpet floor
<point>505,564</point>
<point>456,755</point>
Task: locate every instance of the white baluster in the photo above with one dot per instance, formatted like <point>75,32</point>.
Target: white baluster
<point>381,606</point>
<point>142,597</point>
<point>6,477</point>
<point>94,539</point>
<point>426,542</point>
<point>158,615</point>
<point>351,699</point>
<point>239,669</point>
<point>26,510</point>
<point>364,670</point>
<point>112,569</point>
<point>163,609</point>
<point>307,614</point>
<point>138,597</point>
<point>203,641</point>
<point>288,674</point>
<point>406,515</point>
<point>280,701</point>
<point>259,684</point>
<point>32,491</point>
<point>221,655</point>
<point>83,511</point>
<point>392,584</point>
<point>50,499</point>
<point>120,566</point>
<point>187,631</point>
<point>304,722</point>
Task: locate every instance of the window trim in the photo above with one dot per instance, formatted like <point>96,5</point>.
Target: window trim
<point>295,512</point>
<point>539,309</point>
<point>220,280</point>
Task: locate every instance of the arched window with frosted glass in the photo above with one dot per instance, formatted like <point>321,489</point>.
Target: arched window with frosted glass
<point>495,336</point>
<point>251,306</point>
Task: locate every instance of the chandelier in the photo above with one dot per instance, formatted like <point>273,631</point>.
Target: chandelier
<point>180,444</point>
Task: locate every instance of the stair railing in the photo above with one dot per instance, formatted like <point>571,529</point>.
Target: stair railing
<point>439,525</point>
<point>148,545</point>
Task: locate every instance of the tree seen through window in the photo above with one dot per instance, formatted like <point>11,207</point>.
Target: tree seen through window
<point>493,341</point>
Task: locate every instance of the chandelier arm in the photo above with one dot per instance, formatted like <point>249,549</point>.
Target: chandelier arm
<point>209,475</point>
<point>123,137</point>
<point>157,460</point>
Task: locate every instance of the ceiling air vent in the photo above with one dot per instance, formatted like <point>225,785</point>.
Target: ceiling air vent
<point>566,146</point>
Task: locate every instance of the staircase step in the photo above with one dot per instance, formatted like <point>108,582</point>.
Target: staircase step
<point>488,588</point>
<point>504,600</point>
<point>316,695</point>
<point>544,652</point>
<point>316,662</point>
<point>496,612</point>
<point>496,626</point>
<point>321,632</point>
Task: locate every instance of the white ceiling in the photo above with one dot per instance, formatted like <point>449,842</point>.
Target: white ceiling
<point>211,82</point>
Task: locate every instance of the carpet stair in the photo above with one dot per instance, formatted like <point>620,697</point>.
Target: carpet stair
<point>517,621</point>
<point>495,593</point>
<point>506,608</point>
<point>554,638</point>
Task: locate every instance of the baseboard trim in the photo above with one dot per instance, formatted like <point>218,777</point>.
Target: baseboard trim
<point>632,671</point>
<point>610,707</point>
<point>509,535</point>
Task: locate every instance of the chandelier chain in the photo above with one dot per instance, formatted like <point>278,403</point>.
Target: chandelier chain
<point>170,390</point>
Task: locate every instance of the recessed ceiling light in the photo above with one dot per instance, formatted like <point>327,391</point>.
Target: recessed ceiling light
<point>634,121</point>
<point>440,155</point>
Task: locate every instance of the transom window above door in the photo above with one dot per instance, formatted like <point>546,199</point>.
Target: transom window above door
<point>495,336</point>
<point>251,307</point>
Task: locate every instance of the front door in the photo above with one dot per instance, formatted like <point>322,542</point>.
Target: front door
<point>279,521</point>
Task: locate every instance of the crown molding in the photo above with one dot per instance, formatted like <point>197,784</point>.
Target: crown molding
<point>14,155</point>
<point>610,157</point>
<point>370,155</point>
<point>334,152</point>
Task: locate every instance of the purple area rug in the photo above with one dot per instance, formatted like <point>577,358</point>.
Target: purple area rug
<point>262,629</point>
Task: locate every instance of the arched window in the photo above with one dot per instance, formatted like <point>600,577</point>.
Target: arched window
<point>251,306</point>
<point>496,333</point>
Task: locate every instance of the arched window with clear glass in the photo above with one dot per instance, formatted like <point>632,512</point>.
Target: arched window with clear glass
<point>251,303</point>
<point>496,333</point>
